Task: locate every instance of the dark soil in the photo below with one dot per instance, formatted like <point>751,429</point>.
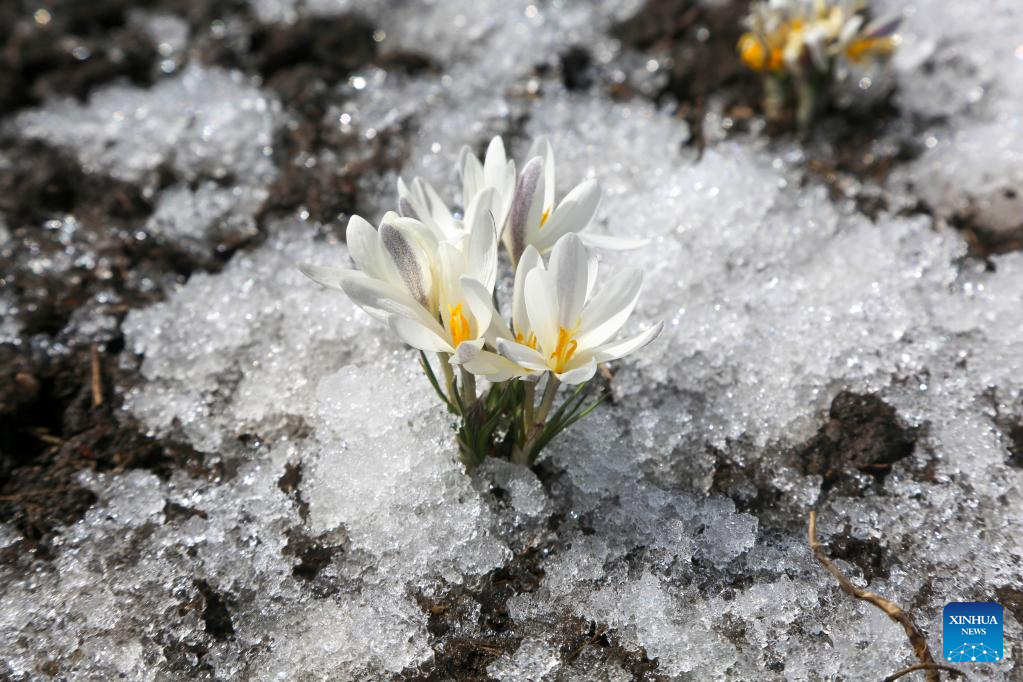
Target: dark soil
<point>465,657</point>
<point>986,240</point>
<point>700,45</point>
<point>702,61</point>
<point>58,410</point>
<point>57,414</point>
<point>853,451</point>
<point>305,63</point>
<point>869,555</point>
<point>67,47</point>
<point>863,434</point>
<point>1015,433</point>
<point>214,612</point>
<point>55,428</point>
<point>842,154</point>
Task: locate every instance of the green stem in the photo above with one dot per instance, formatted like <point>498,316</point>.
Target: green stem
<point>468,388</point>
<point>527,407</point>
<point>774,98</point>
<point>548,400</point>
<point>520,451</point>
<point>522,455</point>
<point>806,105</point>
<point>449,377</point>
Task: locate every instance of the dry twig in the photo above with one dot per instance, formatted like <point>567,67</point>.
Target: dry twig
<point>15,497</point>
<point>97,377</point>
<point>892,610</point>
<point>954,672</point>
<point>589,642</point>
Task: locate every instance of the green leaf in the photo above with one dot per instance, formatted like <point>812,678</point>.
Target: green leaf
<point>433,381</point>
<point>570,412</point>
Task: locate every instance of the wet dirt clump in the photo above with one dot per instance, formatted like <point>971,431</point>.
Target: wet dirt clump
<point>849,149</point>
<point>64,420</point>
<point>467,641</point>
<point>863,435</point>
<point>308,63</point>
<point>76,259</point>
<point>697,45</point>
<point>67,47</point>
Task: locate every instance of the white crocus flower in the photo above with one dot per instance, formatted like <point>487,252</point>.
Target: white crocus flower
<point>466,278</point>
<point>396,265</point>
<point>536,219</point>
<point>492,366</point>
<point>570,327</point>
<point>421,201</point>
<point>496,172</point>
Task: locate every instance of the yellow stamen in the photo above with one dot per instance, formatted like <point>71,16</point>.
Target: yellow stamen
<point>760,56</point>
<point>564,351</point>
<point>458,324</point>
<point>545,216</point>
<point>752,52</point>
<point>531,341</point>
<point>865,47</point>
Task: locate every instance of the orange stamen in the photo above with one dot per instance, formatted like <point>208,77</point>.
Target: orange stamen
<point>565,350</point>
<point>458,324</point>
<point>531,341</point>
<point>860,49</point>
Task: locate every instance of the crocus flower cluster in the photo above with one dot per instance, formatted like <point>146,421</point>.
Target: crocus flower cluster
<point>801,46</point>
<point>430,274</point>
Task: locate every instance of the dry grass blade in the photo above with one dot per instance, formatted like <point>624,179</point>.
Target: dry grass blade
<point>892,610</point>
<point>954,672</point>
<point>97,377</point>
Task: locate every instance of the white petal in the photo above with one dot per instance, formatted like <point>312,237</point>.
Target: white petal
<point>610,308</point>
<point>521,355</point>
<point>327,276</point>
<point>495,368</point>
<point>609,243</point>
<point>541,308</point>
<point>413,204</point>
<point>494,162</point>
<point>409,205</point>
<point>815,47</point>
<point>526,208</point>
<point>467,351</point>
<point>619,349</point>
<point>882,26</point>
<point>569,272</point>
<point>414,230</point>
<point>579,375</point>
<point>363,245</point>
<point>407,261</point>
<point>480,303</point>
<point>481,251</point>
<point>479,204</point>
<point>849,29</point>
<point>573,214</point>
<point>505,192</point>
<point>530,259</point>
<point>591,272</point>
<point>377,295</point>
<point>451,266</point>
<point>471,174</point>
<point>542,147</point>
<point>418,335</point>
<point>438,209</point>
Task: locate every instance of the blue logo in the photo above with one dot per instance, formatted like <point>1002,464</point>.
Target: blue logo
<point>971,632</point>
